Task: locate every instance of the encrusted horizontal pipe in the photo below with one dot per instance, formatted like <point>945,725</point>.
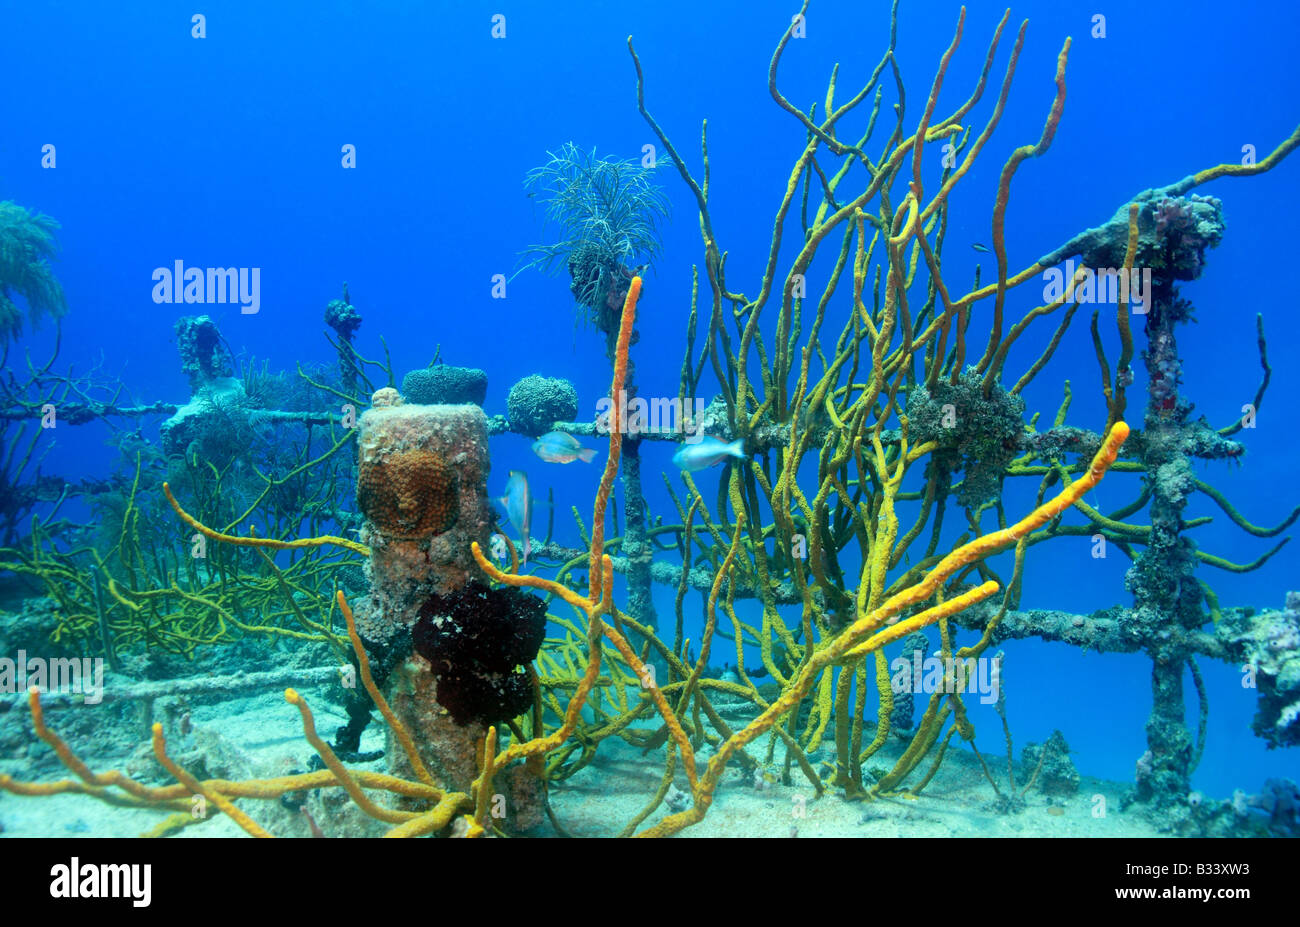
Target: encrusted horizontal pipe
<point>1108,630</point>
<point>665,573</point>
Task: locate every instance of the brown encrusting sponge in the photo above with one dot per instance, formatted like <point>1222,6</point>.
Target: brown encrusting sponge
<point>409,494</point>
<point>475,642</point>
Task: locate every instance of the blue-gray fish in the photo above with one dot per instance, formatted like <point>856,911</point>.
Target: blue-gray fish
<point>707,452</point>
<point>558,447</point>
<point>518,503</point>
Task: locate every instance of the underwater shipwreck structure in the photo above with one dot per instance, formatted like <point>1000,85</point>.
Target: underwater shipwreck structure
<point>879,406</point>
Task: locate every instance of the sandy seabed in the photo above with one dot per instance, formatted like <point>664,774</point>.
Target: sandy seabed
<point>599,800</point>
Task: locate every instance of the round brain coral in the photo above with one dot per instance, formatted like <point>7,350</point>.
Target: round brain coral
<point>536,403</point>
<point>412,494</point>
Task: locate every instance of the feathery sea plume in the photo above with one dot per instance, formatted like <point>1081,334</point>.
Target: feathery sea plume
<point>608,213</point>
<point>27,244</point>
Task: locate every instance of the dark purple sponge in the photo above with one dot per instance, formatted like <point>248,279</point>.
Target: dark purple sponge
<point>475,642</point>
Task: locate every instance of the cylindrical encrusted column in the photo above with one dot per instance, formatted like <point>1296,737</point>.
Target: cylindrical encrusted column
<point>422,487</point>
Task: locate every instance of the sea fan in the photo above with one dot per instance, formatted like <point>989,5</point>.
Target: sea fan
<point>27,243</point>
<point>607,212</point>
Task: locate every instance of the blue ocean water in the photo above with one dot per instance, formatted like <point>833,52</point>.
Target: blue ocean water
<point>227,150</point>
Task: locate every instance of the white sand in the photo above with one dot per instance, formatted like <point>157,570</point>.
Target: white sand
<point>601,799</point>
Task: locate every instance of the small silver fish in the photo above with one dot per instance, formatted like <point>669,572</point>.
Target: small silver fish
<point>558,447</point>
<point>707,452</point>
<point>518,503</point>
<point>978,247</point>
